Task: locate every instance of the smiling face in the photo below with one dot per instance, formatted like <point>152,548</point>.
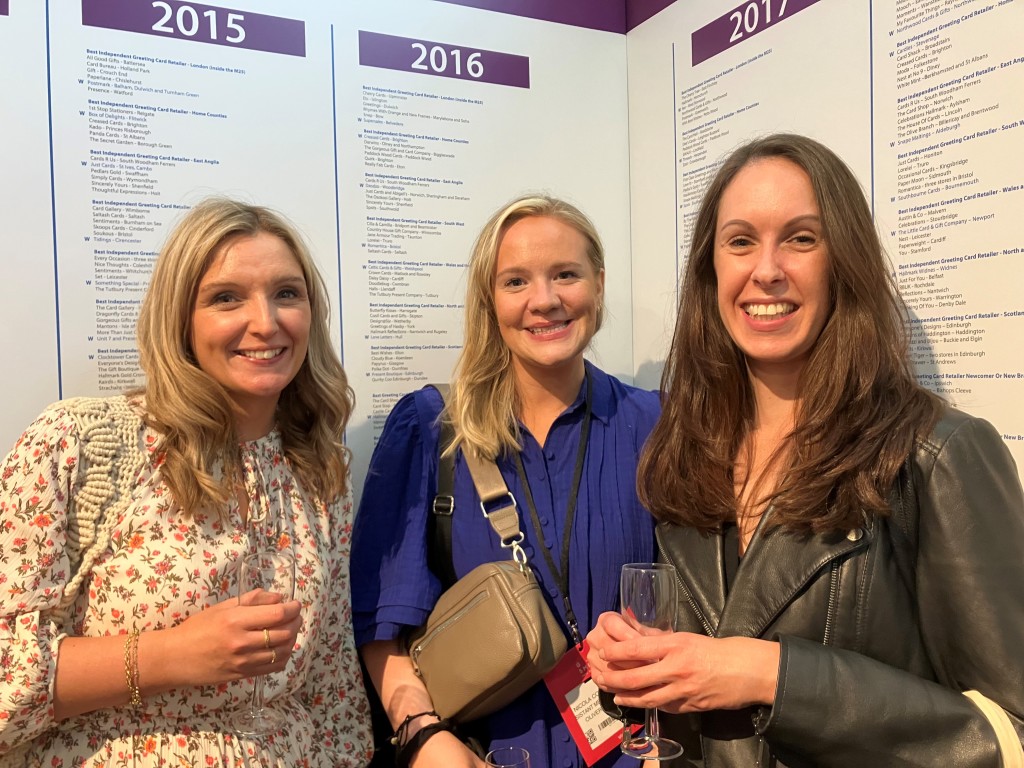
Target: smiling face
<point>546,296</point>
<point>771,265</point>
<point>250,325</point>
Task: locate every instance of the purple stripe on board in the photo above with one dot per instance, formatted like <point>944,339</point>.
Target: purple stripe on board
<point>199,23</point>
<point>741,23</point>
<point>5,7</point>
<point>426,57</point>
<point>606,15</point>
<point>639,11</point>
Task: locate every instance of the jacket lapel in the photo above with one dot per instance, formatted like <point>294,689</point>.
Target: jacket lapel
<point>698,560</point>
<point>778,564</point>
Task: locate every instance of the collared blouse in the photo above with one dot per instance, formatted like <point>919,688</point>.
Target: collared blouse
<point>394,589</point>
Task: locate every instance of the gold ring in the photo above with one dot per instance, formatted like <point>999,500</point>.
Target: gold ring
<point>273,655</point>
<point>266,638</point>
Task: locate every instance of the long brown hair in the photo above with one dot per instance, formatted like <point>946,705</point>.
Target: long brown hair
<point>192,411</point>
<point>860,404</point>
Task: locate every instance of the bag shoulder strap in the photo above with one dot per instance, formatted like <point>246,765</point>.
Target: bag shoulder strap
<point>1010,749</point>
<point>439,534</point>
<point>490,487</point>
<point>496,500</point>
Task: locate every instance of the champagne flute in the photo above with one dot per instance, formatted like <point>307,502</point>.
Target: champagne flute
<point>271,573</point>
<point>648,595</point>
<point>508,757</point>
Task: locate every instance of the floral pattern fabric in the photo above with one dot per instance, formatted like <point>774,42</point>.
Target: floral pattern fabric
<point>160,568</point>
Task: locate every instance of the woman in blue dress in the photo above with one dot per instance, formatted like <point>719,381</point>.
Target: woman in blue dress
<point>524,396</point>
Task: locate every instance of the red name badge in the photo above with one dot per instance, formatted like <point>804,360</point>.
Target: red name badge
<point>595,732</point>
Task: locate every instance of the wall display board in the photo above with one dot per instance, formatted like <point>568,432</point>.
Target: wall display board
<point>155,105</point>
<point>134,112</point>
<point>387,130</point>
<point>949,180</point>
<point>27,254</point>
<point>444,113</point>
<point>921,98</point>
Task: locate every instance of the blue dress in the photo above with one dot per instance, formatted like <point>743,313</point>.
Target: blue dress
<point>393,588</point>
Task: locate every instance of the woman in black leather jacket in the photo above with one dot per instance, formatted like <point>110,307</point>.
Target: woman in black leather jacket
<point>850,548</point>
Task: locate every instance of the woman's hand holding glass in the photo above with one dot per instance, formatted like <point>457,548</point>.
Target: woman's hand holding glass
<point>681,672</point>
<point>266,578</point>
<point>225,642</point>
<point>648,606</point>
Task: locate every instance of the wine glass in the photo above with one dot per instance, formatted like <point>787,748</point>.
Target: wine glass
<point>508,757</point>
<point>264,577</point>
<point>648,595</point>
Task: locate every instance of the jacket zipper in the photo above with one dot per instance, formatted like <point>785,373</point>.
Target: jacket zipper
<point>708,629</point>
<point>833,594</point>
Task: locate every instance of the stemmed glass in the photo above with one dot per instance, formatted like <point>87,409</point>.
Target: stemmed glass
<point>508,757</point>
<point>648,595</point>
<point>264,577</point>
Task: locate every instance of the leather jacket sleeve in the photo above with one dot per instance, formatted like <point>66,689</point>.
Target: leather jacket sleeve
<point>836,707</point>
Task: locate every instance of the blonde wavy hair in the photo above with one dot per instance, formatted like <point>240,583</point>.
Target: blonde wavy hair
<point>192,411</point>
<point>484,403</point>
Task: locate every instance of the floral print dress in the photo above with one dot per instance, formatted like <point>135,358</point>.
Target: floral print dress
<point>160,568</point>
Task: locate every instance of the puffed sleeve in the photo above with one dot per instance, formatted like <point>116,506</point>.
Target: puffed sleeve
<point>35,486</point>
<point>333,688</point>
<point>392,585</point>
<point>969,572</point>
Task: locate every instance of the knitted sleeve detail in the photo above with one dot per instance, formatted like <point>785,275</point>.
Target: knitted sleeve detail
<point>111,459</point>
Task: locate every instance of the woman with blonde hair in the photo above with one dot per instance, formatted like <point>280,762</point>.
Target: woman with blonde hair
<point>848,545</point>
<point>125,519</point>
<point>566,438</point>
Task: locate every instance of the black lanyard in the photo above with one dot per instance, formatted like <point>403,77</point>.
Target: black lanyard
<point>562,575</point>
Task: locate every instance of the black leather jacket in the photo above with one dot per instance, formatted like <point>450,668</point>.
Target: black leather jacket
<point>880,628</point>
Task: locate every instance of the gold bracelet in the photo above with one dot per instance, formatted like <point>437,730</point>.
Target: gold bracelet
<point>131,667</point>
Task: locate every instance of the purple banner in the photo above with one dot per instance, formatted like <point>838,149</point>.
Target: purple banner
<point>199,23</point>
<point>426,57</point>
<point>741,23</point>
<point>639,11</point>
<point>607,15</point>
<point>5,7</point>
